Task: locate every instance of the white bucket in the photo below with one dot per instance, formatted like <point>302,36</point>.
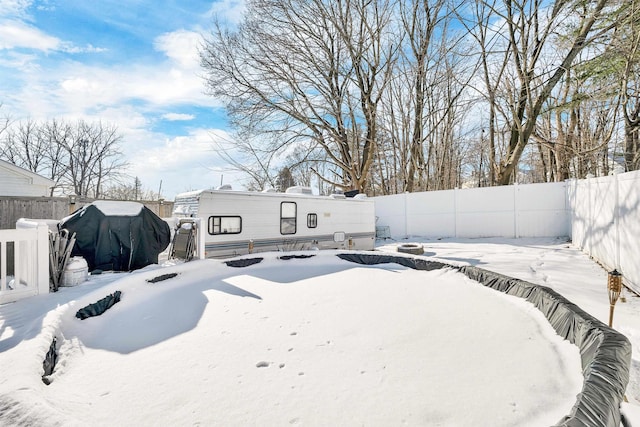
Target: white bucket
<point>76,272</point>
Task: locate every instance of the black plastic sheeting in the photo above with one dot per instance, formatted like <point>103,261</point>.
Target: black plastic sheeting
<point>288,257</point>
<point>415,263</point>
<point>50,360</point>
<point>605,353</point>
<point>244,262</point>
<point>99,307</point>
<point>162,277</point>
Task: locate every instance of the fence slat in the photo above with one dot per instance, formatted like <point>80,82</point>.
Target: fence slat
<point>3,265</point>
<point>30,262</point>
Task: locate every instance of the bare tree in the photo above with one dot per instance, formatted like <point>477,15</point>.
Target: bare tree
<point>307,71</point>
<point>381,88</point>
<point>627,43</point>
<point>94,157</point>
<point>129,191</point>
<point>482,25</point>
<point>420,20</point>
<point>421,103</point>
<point>575,132</point>
<point>80,158</point>
<point>579,130</point>
<point>56,135</point>
<point>4,124</point>
<point>24,147</point>
<point>542,41</point>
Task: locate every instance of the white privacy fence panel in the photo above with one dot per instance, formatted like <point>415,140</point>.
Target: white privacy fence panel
<point>628,233</point>
<point>485,212</point>
<point>543,210</point>
<point>24,262</point>
<point>606,222</point>
<point>602,230</point>
<point>391,212</point>
<point>533,210</point>
<point>429,213</point>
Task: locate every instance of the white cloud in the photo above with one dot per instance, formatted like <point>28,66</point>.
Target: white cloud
<point>178,117</point>
<point>181,47</point>
<point>71,87</point>
<point>80,84</point>
<point>19,61</point>
<point>70,48</point>
<point>182,151</point>
<point>174,81</point>
<point>230,10</point>
<point>17,31</point>
<point>14,7</point>
<point>15,34</point>
<point>89,87</point>
<point>183,163</point>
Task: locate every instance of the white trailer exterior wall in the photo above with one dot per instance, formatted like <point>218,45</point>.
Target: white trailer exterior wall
<point>256,219</point>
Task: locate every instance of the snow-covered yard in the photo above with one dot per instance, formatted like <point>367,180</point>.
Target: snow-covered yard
<point>316,341</point>
<point>560,266</point>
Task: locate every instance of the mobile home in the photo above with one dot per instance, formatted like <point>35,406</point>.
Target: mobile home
<point>231,223</point>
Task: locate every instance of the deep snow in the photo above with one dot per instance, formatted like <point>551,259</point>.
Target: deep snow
<point>555,263</point>
<point>316,341</point>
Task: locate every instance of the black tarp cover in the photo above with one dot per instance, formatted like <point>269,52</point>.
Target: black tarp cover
<point>117,236</point>
<point>605,353</point>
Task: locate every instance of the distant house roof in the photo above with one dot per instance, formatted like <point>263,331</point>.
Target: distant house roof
<point>17,181</point>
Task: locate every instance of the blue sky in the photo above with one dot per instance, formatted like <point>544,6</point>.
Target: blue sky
<point>130,63</point>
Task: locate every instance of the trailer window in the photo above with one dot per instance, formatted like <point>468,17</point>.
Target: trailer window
<point>288,218</point>
<point>225,224</point>
<point>312,220</point>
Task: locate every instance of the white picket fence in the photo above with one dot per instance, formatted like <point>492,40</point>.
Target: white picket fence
<point>30,262</point>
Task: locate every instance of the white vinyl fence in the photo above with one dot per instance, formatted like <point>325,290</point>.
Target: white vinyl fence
<point>532,210</point>
<point>24,262</point>
<point>601,215</point>
<point>606,222</point>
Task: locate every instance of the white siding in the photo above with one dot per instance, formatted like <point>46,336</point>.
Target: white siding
<point>17,182</point>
